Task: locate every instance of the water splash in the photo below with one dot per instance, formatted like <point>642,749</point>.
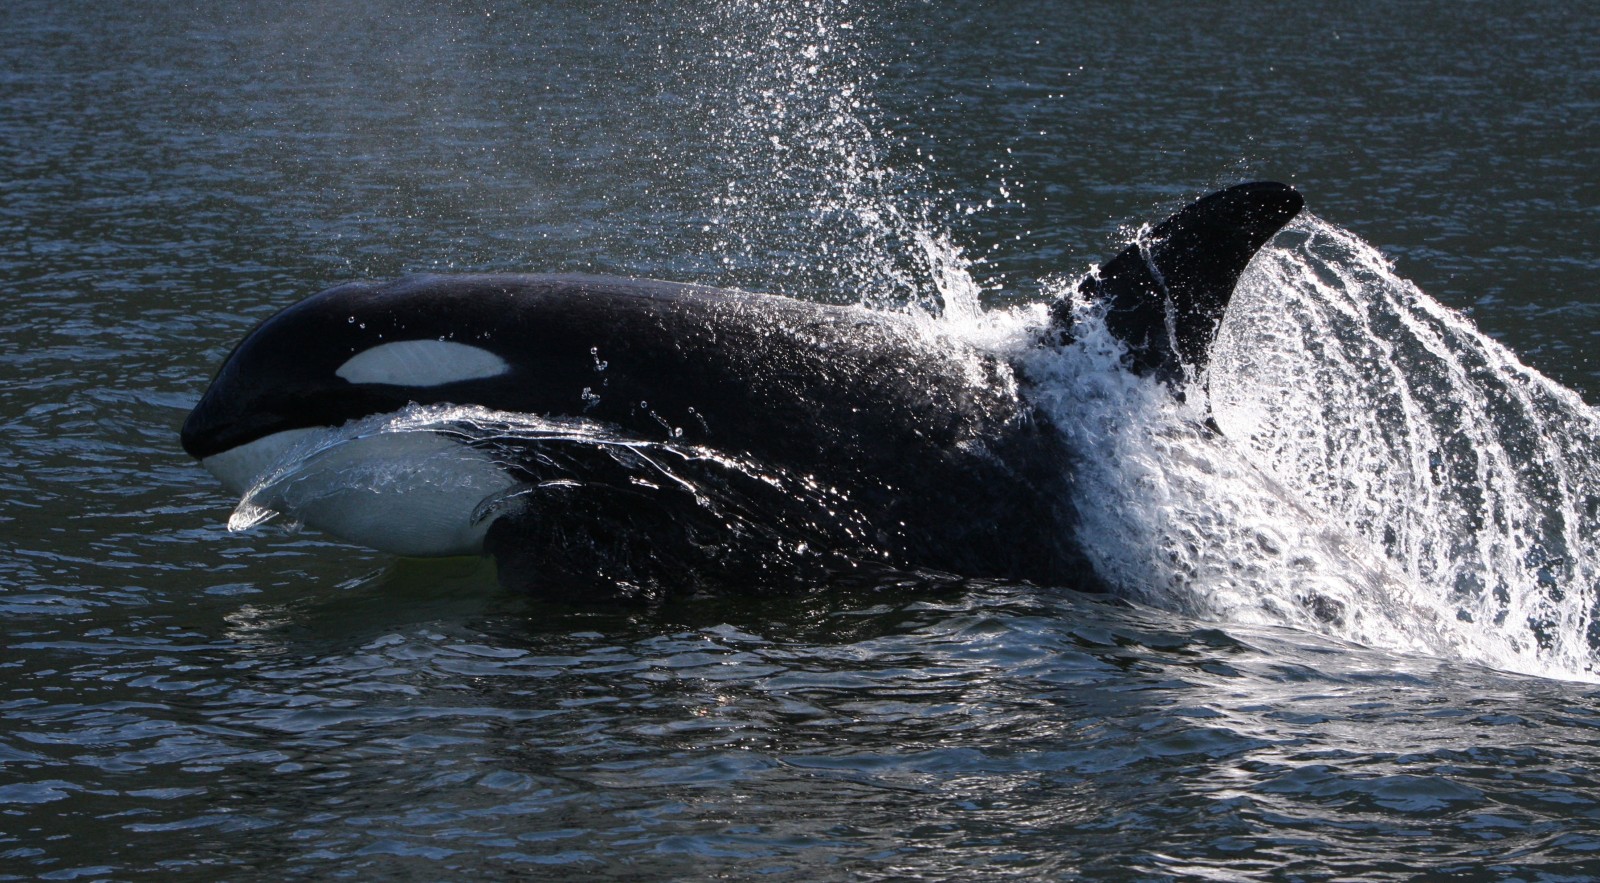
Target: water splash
<point>1387,475</point>
<point>822,199</point>
<point>1475,474</point>
<point>1172,516</point>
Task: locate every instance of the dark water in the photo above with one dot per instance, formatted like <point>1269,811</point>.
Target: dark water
<point>177,699</point>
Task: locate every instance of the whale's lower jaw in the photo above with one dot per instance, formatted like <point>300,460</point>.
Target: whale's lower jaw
<point>413,494</point>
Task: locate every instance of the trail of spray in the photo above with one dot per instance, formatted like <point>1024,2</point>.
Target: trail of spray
<point>1472,472</point>
<point>1173,516</point>
<point>822,198</point>
<point>1386,473</point>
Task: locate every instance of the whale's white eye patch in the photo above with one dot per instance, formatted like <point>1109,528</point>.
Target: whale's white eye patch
<point>422,363</point>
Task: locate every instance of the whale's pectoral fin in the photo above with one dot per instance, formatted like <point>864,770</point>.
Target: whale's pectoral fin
<point>1167,292</point>
<point>584,544</point>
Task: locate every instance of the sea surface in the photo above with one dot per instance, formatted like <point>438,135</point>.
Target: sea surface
<point>1354,638</point>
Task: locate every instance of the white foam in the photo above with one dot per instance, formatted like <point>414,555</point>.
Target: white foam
<point>1388,475</point>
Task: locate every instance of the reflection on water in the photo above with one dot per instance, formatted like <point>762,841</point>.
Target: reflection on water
<point>989,725</point>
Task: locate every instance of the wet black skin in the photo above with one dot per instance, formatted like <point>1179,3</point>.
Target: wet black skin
<point>878,447</point>
<point>918,452</point>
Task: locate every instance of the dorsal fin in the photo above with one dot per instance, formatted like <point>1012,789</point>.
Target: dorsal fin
<point>1168,291</point>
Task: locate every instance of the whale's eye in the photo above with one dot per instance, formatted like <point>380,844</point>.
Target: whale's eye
<point>422,363</point>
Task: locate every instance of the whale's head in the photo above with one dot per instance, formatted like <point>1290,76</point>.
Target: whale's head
<point>286,397</point>
<point>344,354</point>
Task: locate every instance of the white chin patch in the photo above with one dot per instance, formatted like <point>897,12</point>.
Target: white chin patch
<point>422,363</point>
<point>406,493</point>
<point>240,468</point>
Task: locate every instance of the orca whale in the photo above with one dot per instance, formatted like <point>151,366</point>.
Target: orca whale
<point>610,439</point>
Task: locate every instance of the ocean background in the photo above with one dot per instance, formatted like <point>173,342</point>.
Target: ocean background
<point>1354,641</point>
